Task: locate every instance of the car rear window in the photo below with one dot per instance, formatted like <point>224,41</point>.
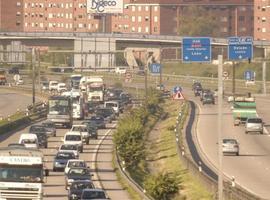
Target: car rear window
<point>255,120</point>
<point>229,141</point>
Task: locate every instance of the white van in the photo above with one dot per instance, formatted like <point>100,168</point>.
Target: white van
<point>74,137</point>
<point>114,105</point>
<point>53,85</point>
<point>29,140</point>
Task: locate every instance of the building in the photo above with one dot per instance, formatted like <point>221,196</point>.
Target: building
<point>261,19</point>
<point>47,15</point>
<point>139,16</point>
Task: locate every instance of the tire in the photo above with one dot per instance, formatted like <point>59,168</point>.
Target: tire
<point>237,154</point>
<point>261,132</point>
<point>246,132</point>
<point>54,170</point>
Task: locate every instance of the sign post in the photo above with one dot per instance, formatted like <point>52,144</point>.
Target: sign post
<point>196,49</point>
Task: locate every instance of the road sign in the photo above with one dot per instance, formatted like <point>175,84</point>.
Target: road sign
<point>177,89</point>
<point>196,49</point>
<point>155,68</point>
<point>249,75</point>
<point>240,48</point>
<point>178,96</point>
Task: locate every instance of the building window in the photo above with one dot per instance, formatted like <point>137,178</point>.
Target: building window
<point>125,26</point>
<point>139,29</point>
<point>18,23</point>
<point>139,18</point>
<point>155,8</point>
<point>146,8</point>
<point>133,19</point>
<point>264,30</point>
<point>139,8</point>
<point>155,29</point>
<point>242,8</point>
<point>243,29</point>
<point>147,29</point>
<point>224,19</point>
<point>96,26</point>
<point>155,19</point>
<point>126,6</point>
<point>18,3</point>
<point>119,26</point>
<point>241,18</point>
<point>133,8</point>
<point>25,5</point>
<point>224,29</point>
<point>263,19</point>
<point>133,29</point>
<point>18,13</point>
<point>25,24</point>
<point>263,8</point>
<point>146,18</point>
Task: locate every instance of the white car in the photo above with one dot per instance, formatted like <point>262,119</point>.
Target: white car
<point>120,70</point>
<point>74,137</point>
<point>70,148</point>
<point>82,128</point>
<point>19,81</point>
<point>29,140</point>
<point>114,105</point>
<point>74,163</point>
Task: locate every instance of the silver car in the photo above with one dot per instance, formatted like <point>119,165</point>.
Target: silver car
<point>230,146</point>
<point>254,125</point>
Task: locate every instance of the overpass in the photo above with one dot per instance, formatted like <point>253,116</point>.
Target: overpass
<point>99,49</point>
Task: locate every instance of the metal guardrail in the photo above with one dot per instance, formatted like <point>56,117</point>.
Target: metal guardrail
<point>231,190</point>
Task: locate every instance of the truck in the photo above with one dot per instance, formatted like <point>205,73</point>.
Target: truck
<point>75,81</point>
<point>243,110</point>
<point>3,78</point>
<point>22,173</point>
<point>60,111</point>
<point>95,89</point>
<point>78,104</point>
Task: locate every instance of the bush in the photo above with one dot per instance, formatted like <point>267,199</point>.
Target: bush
<point>161,186</point>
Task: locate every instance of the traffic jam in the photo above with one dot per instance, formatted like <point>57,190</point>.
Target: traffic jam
<point>82,112</point>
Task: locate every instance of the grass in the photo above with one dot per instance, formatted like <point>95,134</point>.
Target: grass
<point>163,157</point>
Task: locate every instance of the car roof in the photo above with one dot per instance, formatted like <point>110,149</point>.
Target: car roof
<point>78,125</point>
<point>76,160</point>
<point>28,136</point>
<point>94,189</point>
<point>73,133</point>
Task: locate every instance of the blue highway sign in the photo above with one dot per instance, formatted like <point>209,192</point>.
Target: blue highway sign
<point>196,49</point>
<point>155,68</point>
<point>240,48</point>
<point>177,89</point>
<point>249,75</point>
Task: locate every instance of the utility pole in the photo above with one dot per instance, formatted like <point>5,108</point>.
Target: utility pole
<point>160,75</point>
<point>39,86</point>
<point>33,63</point>
<point>264,76</point>
<point>233,79</point>
<point>220,105</point>
<point>145,77</point>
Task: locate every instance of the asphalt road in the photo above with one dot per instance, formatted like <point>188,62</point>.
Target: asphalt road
<point>10,102</point>
<point>252,168</point>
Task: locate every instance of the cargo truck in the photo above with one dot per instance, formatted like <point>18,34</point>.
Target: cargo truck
<point>243,110</point>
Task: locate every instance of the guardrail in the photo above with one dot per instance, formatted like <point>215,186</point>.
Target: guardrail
<point>231,190</point>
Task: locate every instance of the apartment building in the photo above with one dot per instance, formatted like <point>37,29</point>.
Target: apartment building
<point>261,19</point>
<point>47,15</point>
<point>139,16</point>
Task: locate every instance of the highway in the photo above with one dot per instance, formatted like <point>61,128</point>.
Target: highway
<point>252,168</point>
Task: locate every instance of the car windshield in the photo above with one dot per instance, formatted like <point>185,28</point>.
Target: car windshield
<point>73,137</point>
<point>65,156</point>
<point>76,164</point>
<point>229,141</point>
<point>79,128</point>
<point>68,147</point>
<point>37,129</point>
<point>81,186</point>
<point>255,120</point>
<point>93,195</point>
<point>78,171</point>
<point>109,105</point>
<point>48,124</point>
<point>28,141</point>
<point>21,173</point>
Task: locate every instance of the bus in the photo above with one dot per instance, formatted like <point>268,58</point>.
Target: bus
<point>60,111</point>
<point>22,173</point>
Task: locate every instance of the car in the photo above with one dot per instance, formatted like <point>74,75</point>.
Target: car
<point>41,133</point>
<point>230,146</point>
<point>50,127</point>
<point>77,173</point>
<point>61,159</point>
<point>45,86</point>
<point>196,85</point>
<point>125,98</point>
<point>91,106</point>
<point>76,188</point>
<point>70,148</point>
<point>75,163</point>
<point>19,81</point>
<point>74,137</point>
<point>97,121</point>
<point>120,70</point>
<point>92,129</point>
<point>14,70</point>
<point>197,92</point>
<point>254,125</point>
<point>29,140</point>
<point>84,131</point>
<point>115,105</point>
<point>107,113</point>
<point>208,99</point>
<point>88,194</point>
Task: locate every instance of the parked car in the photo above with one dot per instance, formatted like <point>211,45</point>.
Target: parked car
<point>61,159</point>
<point>76,188</point>
<point>89,194</point>
<point>230,146</point>
<point>77,173</point>
<point>254,125</point>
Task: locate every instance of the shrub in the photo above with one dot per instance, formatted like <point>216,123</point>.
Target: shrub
<point>161,186</point>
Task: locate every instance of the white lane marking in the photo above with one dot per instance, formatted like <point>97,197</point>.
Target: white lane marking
<point>94,156</point>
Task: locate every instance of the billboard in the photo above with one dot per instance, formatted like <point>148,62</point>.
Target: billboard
<point>104,6</point>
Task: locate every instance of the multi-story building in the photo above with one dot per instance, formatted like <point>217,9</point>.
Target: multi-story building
<point>139,16</point>
<point>261,19</point>
<point>47,15</point>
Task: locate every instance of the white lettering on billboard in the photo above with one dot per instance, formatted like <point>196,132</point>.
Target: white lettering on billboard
<point>105,6</point>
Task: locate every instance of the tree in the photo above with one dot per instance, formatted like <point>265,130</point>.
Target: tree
<point>198,21</point>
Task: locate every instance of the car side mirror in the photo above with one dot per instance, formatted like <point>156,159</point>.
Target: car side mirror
<point>47,172</point>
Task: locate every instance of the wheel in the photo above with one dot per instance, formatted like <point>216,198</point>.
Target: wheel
<point>246,132</point>
<point>54,170</point>
<point>261,132</point>
<point>237,154</point>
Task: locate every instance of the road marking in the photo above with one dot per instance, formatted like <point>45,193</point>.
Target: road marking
<point>94,156</point>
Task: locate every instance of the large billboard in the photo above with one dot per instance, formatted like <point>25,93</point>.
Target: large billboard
<point>104,6</point>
